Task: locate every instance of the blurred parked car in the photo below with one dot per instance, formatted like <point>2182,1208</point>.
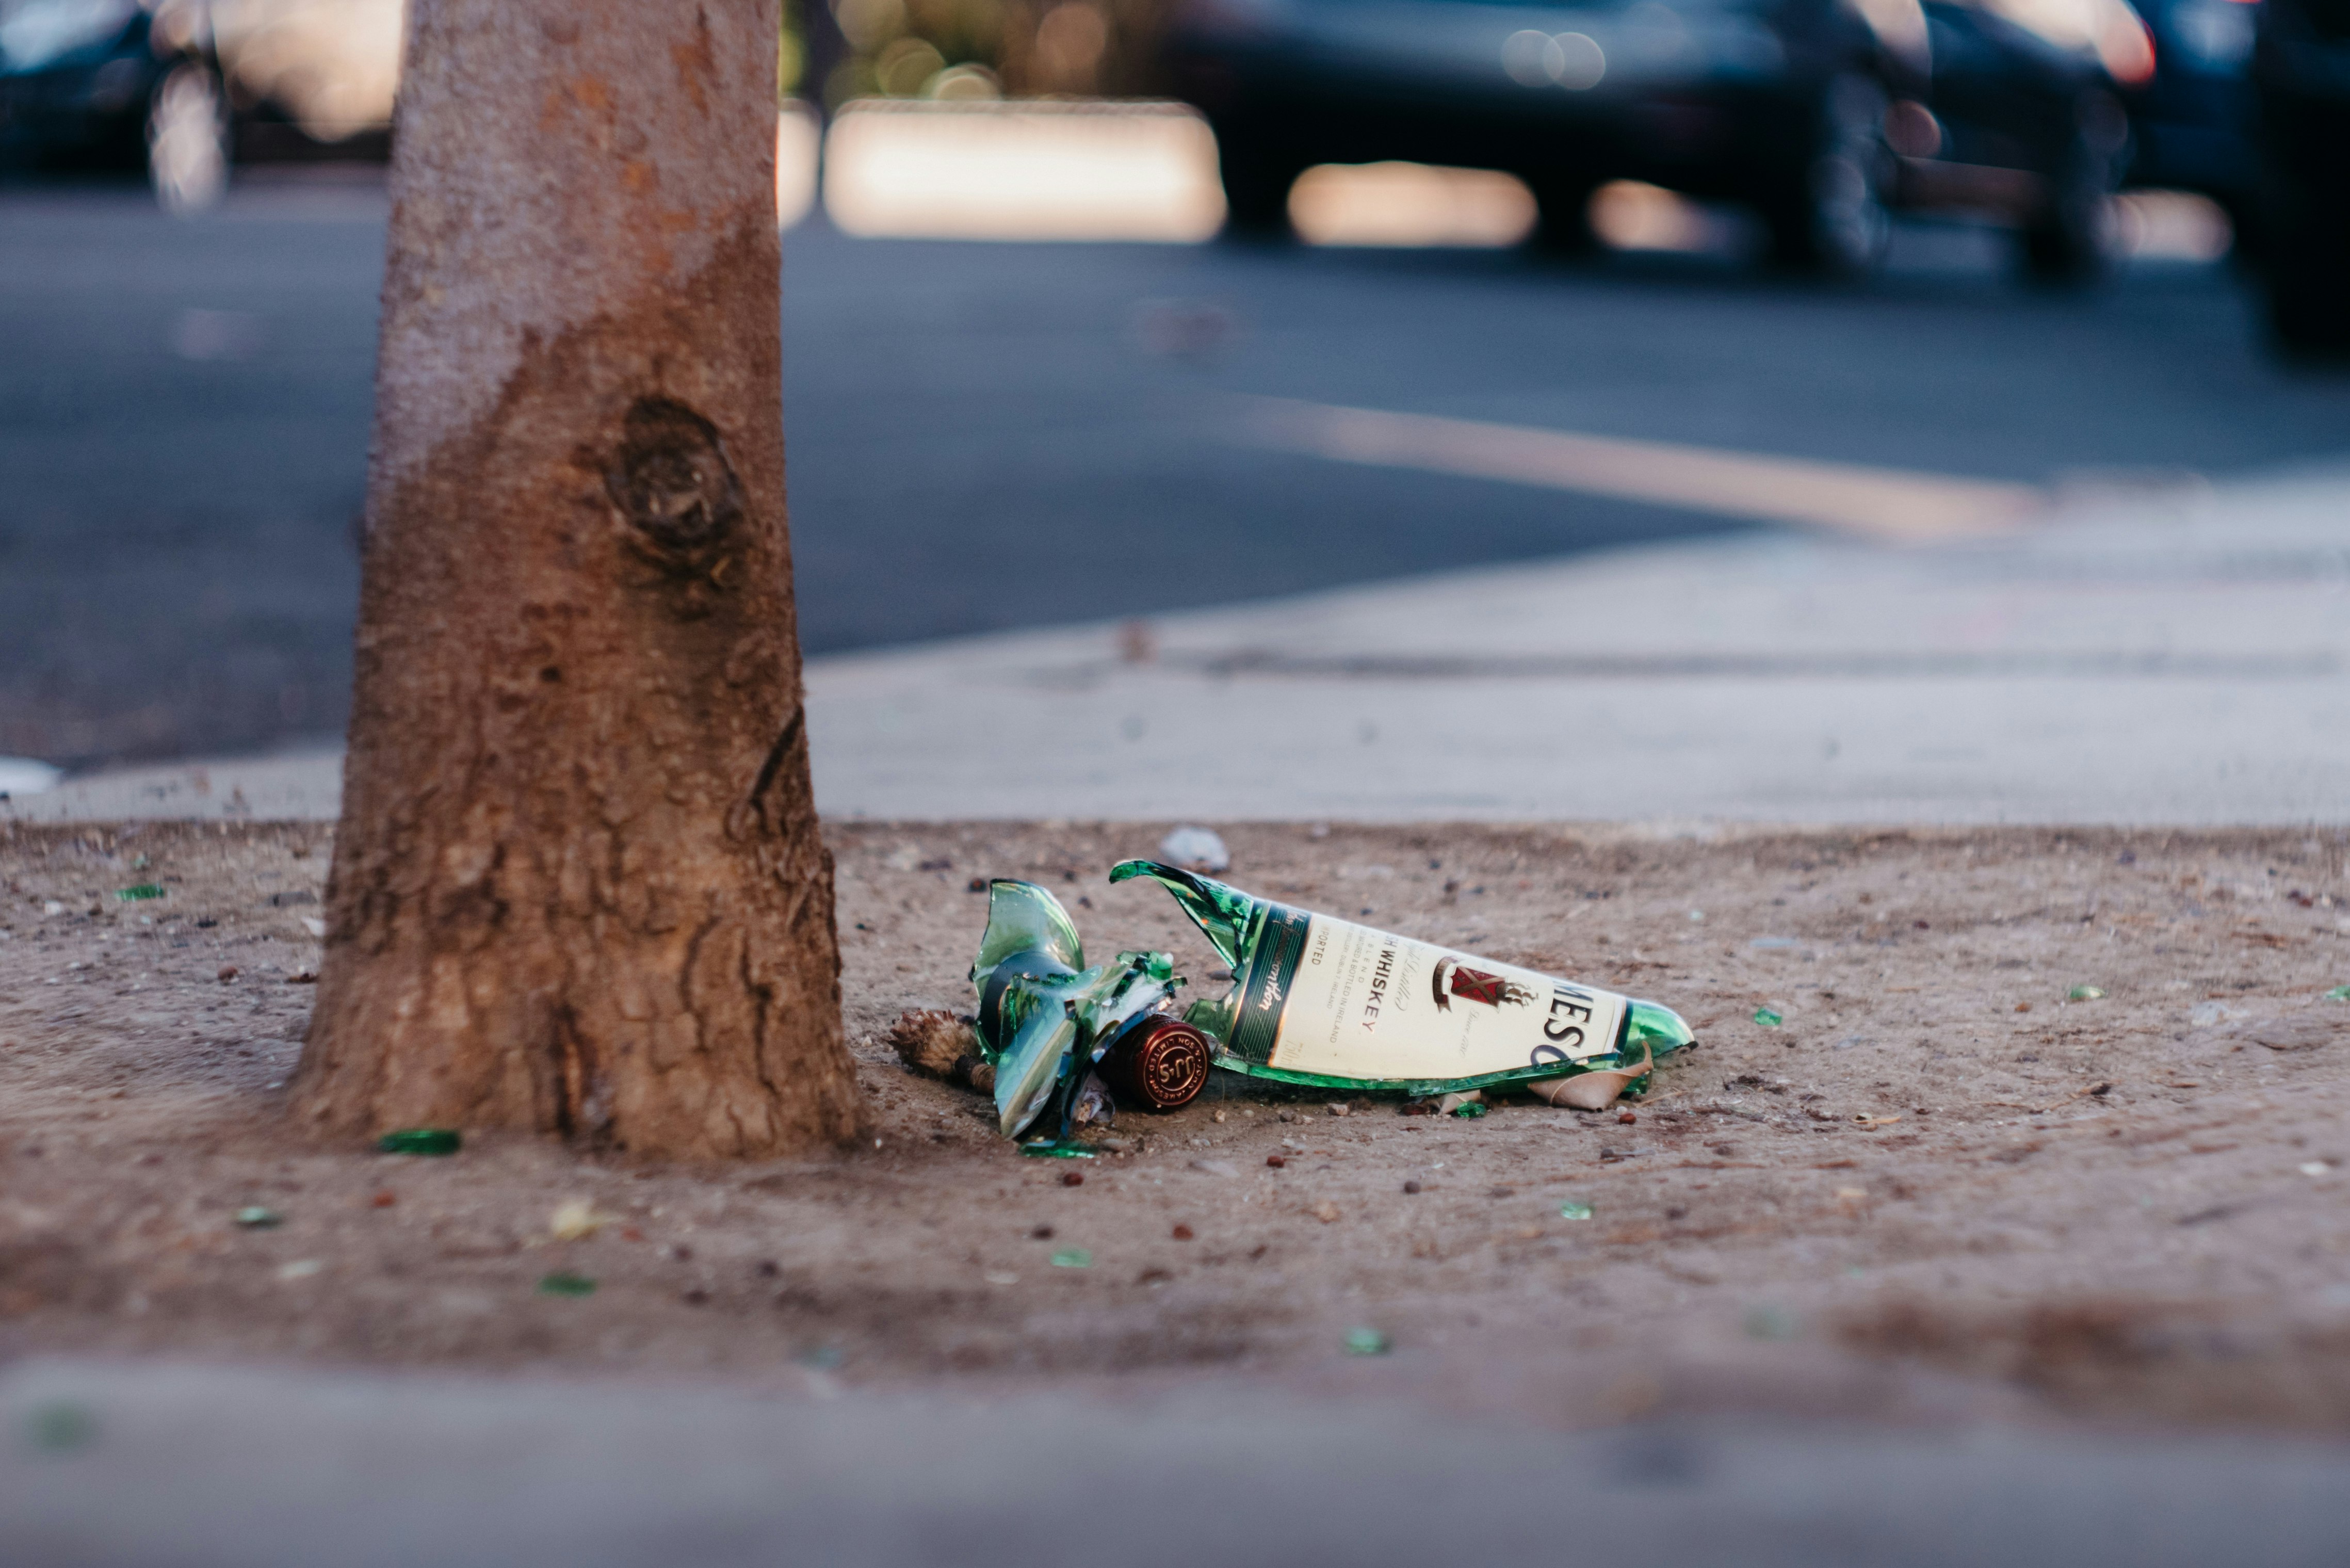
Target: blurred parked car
<point>1823,115</point>
<point>2301,69</point>
<point>110,82</point>
<point>181,87</point>
<point>2191,125</point>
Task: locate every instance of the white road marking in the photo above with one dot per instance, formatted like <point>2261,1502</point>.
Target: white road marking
<point>1888,504</point>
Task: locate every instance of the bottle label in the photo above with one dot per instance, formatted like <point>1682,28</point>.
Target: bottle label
<point>1343,1000</point>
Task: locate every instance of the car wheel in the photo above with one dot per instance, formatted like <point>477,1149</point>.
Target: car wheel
<point>1829,216</point>
<point>1563,217</point>
<point>1257,180</point>
<point>2306,259</point>
<point>188,141</point>
<point>2069,240</point>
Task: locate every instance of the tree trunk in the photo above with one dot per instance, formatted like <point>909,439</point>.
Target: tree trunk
<point>579,886</point>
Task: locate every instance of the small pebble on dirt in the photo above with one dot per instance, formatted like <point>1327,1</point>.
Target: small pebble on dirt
<point>1339,1107</point>
<point>1627,1118</point>
<point>1411,1187</point>
<point>1041,1234</point>
<point>228,971</point>
<point>1073,1178</point>
<point>383,1199</point>
<point>1275,1161</point>
<point>1181,1232</point>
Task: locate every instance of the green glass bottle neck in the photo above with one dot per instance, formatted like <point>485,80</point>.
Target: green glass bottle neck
<point>1230,918</point>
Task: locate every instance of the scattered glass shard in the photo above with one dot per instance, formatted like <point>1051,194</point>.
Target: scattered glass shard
<point>2086,992</point>
<point>1575,1211</point>
<point>141,890</point>
<point>2339,994</point>
<point>566,1284</point>
<point>61,1425</point>
<point>1367,1342</point>
<point>421,1140</point>
<point>254,1216</point>
<point>1073,1257</point>
<point>1768,1018</point>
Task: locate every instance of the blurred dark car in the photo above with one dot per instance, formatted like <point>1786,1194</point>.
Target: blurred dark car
<point>1823,115</point>
<point>2192,125</point>
<point>2302,70</point>
<point>113,83</point>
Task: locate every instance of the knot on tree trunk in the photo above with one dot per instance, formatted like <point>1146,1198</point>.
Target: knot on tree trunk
<point>672,480</point>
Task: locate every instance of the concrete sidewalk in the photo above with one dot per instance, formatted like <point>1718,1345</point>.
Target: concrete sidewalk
<point>2177,656</point>
<point>168,1465</point>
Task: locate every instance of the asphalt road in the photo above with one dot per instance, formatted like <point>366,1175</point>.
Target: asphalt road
<point>987,435</point>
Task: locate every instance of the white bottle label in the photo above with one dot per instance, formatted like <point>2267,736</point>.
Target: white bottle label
<point>1342,1001</point>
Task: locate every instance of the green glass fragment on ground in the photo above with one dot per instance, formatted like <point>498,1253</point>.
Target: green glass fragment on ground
<point>1575,1211</point>
<point>1472,1110</point>
<point>421,1140</point>
<point>61,1427</point>
<point>1366,1342</point>
<point>1073,1257</point>
<point>567,1285</point>
<point>143,890</point>
<point>255,1218</point>
<point>1057,1150</point>
<point>1767,1018</point>
<point>2339,994</point>
<point>1044,1018</point>
<point>1770,1323</point>
<point>2084,993</point>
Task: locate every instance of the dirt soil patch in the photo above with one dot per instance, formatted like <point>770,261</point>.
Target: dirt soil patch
<point>1948,1158</point>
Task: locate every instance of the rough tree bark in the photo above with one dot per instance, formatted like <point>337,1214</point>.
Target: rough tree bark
<point>578,885</point>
